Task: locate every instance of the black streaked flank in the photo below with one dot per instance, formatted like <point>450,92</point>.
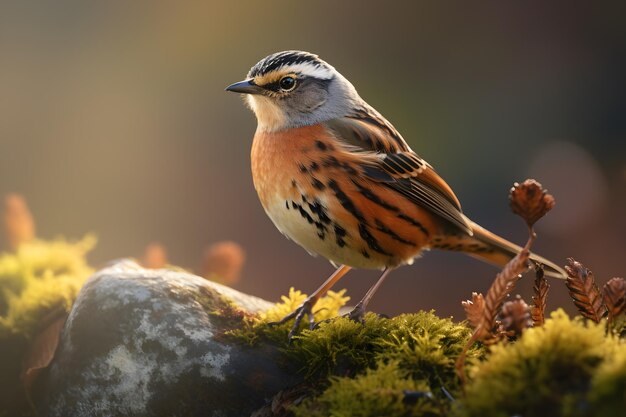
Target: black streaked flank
<point>321,227</point>
<point>314,167</point>
<point>349,168</point>
<point>318,209</point>
<point>413,222</point>
<point>321,145</point>
<point>318,184</point>
<point>370,195</point>
<point>382,227</point>
<point>372,242</point>
<point>331,161</point>
<point>305,214</point>
<point>345,201</point>
<point>340,233</point>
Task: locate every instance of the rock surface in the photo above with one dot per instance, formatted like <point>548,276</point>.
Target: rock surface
<point>150,343</point>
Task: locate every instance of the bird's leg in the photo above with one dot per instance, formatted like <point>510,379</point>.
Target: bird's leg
<point>358,312</point>
<point>307,305</point>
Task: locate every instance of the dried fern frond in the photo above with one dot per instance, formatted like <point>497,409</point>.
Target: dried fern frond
<point>474,310</point>
<point>503,285</point>
<point>530,201</point>
<point>515,317</point>
<point>540,289</point>
<point>484,323</point>
<point>584,291</point>
<point>614,297</point>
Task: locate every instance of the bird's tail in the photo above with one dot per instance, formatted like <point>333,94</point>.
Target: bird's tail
<point>492,248</point>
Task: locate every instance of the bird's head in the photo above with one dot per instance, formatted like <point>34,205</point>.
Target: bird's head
<point>294,88</point>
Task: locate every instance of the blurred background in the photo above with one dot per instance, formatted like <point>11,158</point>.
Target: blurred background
<point>114,120</point>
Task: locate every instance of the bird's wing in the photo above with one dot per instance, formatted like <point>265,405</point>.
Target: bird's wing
<point>386,158</point>
<point>367,130</point>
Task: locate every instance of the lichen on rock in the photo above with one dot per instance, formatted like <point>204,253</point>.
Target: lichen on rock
<point>149,342</point>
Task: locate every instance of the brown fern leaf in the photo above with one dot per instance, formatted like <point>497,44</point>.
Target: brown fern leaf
<point>530,201</point>
<point>474,309</point>
<point>541,288</point>
<point>502,286</point>
<point>584,291</point>
<point>614,296</point>
<point>515,317</point>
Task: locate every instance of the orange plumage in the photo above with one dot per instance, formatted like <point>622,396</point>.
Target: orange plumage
<point>338,179</point>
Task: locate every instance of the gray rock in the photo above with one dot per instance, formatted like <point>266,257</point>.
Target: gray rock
<point>151,343</point>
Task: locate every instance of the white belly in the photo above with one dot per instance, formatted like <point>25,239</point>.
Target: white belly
<point>300,224</point>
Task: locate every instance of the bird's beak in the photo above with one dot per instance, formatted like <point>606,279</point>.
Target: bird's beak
<point>245,87</point>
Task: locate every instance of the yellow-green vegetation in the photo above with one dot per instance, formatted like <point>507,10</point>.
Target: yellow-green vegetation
<point>260,329</point>
<point>327,307</point>
<point>386,390</point>
<point>405,366</point>
<point>396,366</point>
<point>379,361</point>
<point>566,368</point>
<point>37,278</point>
<point>608,386</point>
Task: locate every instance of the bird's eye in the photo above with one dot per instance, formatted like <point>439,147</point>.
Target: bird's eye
<point>287,83</point>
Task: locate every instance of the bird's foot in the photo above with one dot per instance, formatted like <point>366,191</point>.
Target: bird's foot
<point>357,314</point>
<point>306,309</point>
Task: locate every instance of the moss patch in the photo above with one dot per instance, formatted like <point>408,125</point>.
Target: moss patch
<point>36,279</point>
<point>566,368</point>
<point>608,386</point>
<point>396,366</point>
<point>405,366</point>
<point>386,390</point>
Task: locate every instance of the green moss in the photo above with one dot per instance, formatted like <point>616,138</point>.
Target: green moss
<point>547,372</point>
<point>408,352</point>
<point>377,392</point>
<point>37,278</point>
<point>259,330</point>
<point>608,386</point>
<point>364,369</point>
<point>568,368</point>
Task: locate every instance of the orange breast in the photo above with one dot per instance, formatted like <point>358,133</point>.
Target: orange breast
<point>312,189</point>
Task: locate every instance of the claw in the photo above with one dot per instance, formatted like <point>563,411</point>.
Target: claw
<point>357,314</point>
<point>298,314</point>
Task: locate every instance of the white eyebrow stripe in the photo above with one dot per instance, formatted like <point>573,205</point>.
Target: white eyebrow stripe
<point>310,70</point>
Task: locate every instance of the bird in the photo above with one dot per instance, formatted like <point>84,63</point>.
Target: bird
<point>338,179</point>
